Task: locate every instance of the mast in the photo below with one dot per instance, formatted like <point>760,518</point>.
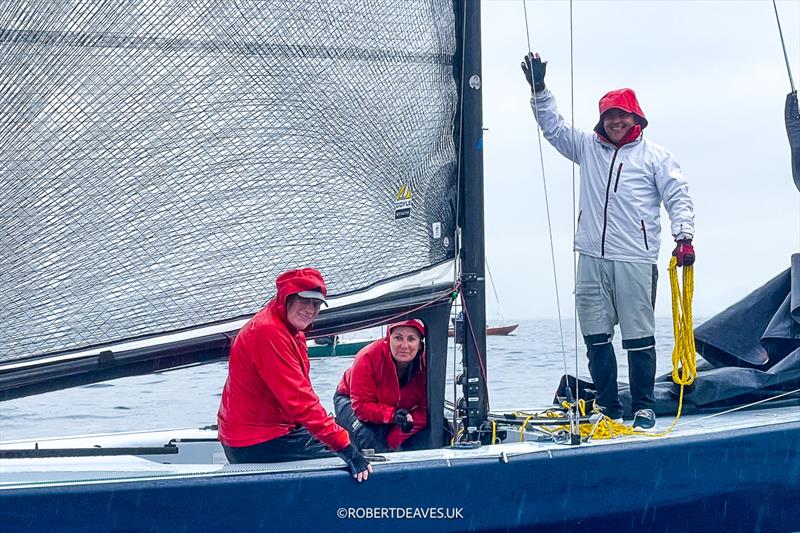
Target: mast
<point>474,404</point>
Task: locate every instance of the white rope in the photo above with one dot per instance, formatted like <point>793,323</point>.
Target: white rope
<point>739,408</point>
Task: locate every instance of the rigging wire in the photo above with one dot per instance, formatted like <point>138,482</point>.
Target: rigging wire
<point>457,232</point>
<point>494,289</point>
<point>788,69</point>
<point>468,321</point>
<point>574,201</point>
<point>740,407</point>
<point>547,205</point>
<point>783,45</point>
<point>383,320</point>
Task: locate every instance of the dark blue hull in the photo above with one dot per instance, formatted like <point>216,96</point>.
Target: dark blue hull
<point>746,480</point>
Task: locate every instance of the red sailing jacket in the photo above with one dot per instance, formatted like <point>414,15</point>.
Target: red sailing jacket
<point>374,388</point>
<point>268,390</point>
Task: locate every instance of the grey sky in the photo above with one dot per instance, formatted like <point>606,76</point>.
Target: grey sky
<point>711,78</point>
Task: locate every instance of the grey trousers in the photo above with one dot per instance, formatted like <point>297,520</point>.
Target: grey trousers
<point>616,292</point>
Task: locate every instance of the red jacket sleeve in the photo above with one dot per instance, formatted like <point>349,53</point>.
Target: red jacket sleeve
<point>279,366</point>
<point>364,387</point>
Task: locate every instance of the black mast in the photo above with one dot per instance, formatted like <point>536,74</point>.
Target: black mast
<point>474,405</point>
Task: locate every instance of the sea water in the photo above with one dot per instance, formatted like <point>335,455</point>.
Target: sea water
<point>523,369</point>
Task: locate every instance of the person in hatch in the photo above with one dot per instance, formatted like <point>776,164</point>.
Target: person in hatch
<point>382,398</point>
<point>623,180</point>
<point>269,411</point>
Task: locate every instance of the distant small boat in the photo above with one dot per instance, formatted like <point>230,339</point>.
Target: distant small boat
<point>330,347</point>
<point>492,330</point>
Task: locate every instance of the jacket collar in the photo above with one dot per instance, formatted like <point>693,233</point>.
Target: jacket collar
<point>634,134</point>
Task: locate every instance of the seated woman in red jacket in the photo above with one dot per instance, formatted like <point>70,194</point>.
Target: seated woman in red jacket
<point>382,398</point>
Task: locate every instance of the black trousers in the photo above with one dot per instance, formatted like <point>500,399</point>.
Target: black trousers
<point>367,435</point>
<point>296,445</point>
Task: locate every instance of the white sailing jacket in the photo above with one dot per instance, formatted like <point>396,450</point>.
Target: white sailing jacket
<point>621,189</point>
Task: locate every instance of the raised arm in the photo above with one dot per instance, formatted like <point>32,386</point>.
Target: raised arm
<point>564,138</point>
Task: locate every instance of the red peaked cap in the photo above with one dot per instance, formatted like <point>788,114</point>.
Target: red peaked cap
<point>624,99</point>
<point>299,280</point>
<point>413,323</point>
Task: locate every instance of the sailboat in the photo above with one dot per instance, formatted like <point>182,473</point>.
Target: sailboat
<point>163,162</point>
<point>457,330</point>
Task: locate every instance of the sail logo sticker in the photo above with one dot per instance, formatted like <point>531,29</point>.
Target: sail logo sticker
<point>402,202</point>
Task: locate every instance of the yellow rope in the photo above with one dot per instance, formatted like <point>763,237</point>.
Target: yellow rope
<point>684,359</point>
<point>522,428</point>
<point>684,355</point>
<point>456,436</point>
<point>684,371</point>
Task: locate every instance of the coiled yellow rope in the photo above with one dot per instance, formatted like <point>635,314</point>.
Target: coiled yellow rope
<point>684,355</point>
<point>684,358</point>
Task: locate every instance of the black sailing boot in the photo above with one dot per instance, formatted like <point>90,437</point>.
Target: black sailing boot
<point>642,376</point>
<point>603,369</point>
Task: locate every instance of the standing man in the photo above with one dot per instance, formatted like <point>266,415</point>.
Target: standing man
<point>624,179</point>
<point>269,411</point>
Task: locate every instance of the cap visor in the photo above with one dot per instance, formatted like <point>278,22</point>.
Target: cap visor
<point>313,295</point>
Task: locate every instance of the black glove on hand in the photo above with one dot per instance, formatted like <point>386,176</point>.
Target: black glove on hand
<point>400,418</point>
<point>356,462</point>
<point>534,69</point>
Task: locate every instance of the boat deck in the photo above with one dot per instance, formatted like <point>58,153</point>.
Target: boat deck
<point>199,454</point>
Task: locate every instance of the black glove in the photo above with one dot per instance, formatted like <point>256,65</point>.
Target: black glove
<point>534,69</point>
<point>356,462</point>
<point>400,418</point>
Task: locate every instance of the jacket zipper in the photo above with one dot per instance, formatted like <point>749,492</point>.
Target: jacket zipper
<point>644,233</point>
<point>619,171</point>
<point>605,208</point>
